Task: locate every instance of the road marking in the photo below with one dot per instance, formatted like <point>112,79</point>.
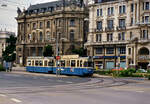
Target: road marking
<point>16,100</point>
<point>140,91</point>
<point>2,95</point>
<point>69,82</point>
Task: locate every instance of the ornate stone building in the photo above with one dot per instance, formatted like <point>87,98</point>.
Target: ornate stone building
<point>119,33</point>
<point>45,24</point>
<point>3,36</point>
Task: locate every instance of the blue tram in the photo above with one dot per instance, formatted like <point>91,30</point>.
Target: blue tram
<point>67,65</point>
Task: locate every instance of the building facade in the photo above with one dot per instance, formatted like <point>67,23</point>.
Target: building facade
<point>119,33</point>
<point>3,44</point>
<point>61,22</point>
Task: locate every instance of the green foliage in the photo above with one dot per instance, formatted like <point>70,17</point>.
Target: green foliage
<point>9,54</point>
<point>104,72</point>
<point>48,51</point>
<point>148,71</point>
<point>1,68</point>
<point>127,73</point>
<point>80,52</point>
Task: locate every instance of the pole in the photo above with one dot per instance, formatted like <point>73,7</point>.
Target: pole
<point>57,55</point>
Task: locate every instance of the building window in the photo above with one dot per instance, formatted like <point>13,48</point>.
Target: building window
<point>41,25</point>
<point>121,36</point>
<point>98,37</point>
<point>34,25</point>
<point>121,23</point>
<point>48,24</point>
<point>72,35</point>
<point>146,5</point>
<point>131,21</point>
<point>97,12</point>
<point>110,37</point>
<point>33,36</point>
<point>41,36</point>
<point>111,11</point>
<point>99,25</point>
<point>132,7</point>
<point>48,35</point>
<point>72,22</point>
<point>109,50</point>
<point>146,19</point>
<point>129,51</point>
<point>122,9</point>
<point>122,50</point>
<point>131,35</point>
<point>110,24</point>
<point>101,12</point>
<point>99,50</point>
<point>144,34</point>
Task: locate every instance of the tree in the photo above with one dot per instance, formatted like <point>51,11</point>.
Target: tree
<point>48,51</point>
<point>81,52</point>
<point>9,54</point>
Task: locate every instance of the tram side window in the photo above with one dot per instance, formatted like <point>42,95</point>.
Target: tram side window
<point>85,64</point>
<point>90,64</point>
<point>51,63</point>
<point>68,63</point>
<point>81,63</point>
<point>77,63</point>
<point>32,63</point>
<point>45,63</point>
<point>63,63</point>
<point>29,63</point>
<point>73,64</point>
<point>40,63</point>
<point>36,63</point>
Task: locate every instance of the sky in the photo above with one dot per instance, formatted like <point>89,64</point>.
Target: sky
<point>9,12</point>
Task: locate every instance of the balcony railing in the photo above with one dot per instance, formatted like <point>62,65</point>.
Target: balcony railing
<point>109,29</point>
<point>144,57</point>
<point>144,40</point>
<point>99,30</point>
<point>121,27</point>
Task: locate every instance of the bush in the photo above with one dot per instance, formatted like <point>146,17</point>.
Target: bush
<point>137,75</point>
<point>148,71</point>
<point>104,72</point>
<point>1,68</point>
<point>127,73</point>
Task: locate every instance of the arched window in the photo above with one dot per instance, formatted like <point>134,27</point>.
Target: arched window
<point>143,51</point>
<point>47,35</point>
<point>72,35</point>
<point>41,36</point>
<point>48,24</point>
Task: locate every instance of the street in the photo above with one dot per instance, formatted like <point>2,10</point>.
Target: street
<point>17,88</point>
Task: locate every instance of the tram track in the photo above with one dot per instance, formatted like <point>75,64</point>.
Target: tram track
<point>95,83</point>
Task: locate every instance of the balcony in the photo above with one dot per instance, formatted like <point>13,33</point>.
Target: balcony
<point>99,30</point>
<point>144,57</point>
<point>109,42</point>
<point>144,40</point>
<point>121,27</point>
<point>109,29</point>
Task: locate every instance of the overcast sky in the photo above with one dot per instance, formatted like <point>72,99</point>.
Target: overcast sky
<point>8,13</point>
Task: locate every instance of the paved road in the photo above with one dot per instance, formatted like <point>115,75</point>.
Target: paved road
<point>16,88</point>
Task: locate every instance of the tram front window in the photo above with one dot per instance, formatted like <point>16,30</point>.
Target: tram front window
<point>88,64</point>
<point>73,64</point>
<point>29,63</point>
<point>50,63</point>
<point>62,63</point>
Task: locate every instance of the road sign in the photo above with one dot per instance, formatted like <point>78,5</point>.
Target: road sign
<point>57,57</point>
